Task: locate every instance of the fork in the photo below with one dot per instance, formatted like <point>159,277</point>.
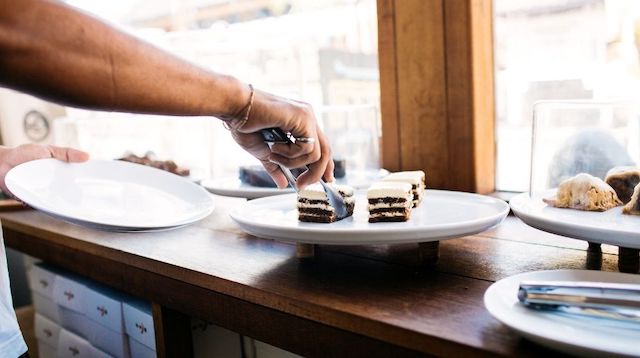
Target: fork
<point>277,135</point>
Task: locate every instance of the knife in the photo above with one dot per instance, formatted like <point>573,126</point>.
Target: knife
<point>277,135</point>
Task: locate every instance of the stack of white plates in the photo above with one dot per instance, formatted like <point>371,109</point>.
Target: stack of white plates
<point>109,195</point>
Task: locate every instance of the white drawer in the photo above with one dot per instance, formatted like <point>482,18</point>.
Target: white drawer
<point>138,322</point>
<point>46,307</point>
<point>70,291</point>
<point>41,279</point>
<point>97,353</point>
<point>73,346</point>
<point>46,351</point>
<point>139,350</point>
<point>75,322</point>
<point>114,343</point>
<point>46,331</point>
<point>104,306</point>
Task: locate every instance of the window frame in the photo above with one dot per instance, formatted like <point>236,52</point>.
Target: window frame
<point>437,91</point>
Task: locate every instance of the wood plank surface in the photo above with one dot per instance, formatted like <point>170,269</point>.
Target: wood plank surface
<point>375,296</point>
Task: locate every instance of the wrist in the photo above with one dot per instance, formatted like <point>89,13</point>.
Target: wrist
<point>237,96</point>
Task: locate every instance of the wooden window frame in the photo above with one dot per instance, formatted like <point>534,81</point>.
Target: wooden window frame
<point>437,91</point>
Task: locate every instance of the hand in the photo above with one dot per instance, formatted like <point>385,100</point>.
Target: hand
<point>270,111</point>
<point>11,157</point>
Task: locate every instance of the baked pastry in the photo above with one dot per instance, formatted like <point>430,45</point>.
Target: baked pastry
<point>584,192</point>
<point>389,201</point>
<point>313,204</point>
<point>633,206</point>
<point>417,180</point>
<point>623,180</point>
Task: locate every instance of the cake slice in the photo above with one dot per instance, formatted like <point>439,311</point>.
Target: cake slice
<point>313,204</point>
<point>417,180</point>
<point>633,206</point>
<point>623,180</point>
<point>584,192</point>
<point>389,201</point>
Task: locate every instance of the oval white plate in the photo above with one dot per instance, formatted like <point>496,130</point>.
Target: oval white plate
<point>112,195</point>
<point>608,227</point>
<point>571,334</point>
<point>233,187</point>
<point>442,215</point>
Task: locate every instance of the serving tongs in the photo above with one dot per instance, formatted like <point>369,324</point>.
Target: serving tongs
<point>277,135</point>
<point>595,299</point>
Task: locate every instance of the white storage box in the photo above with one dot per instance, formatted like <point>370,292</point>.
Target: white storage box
<point>104,306</point>
<point>138,322</point>
<point>75,322</point>
<point>139,350</point>
<point>46,331</point>
<point>97,353</point>
<point>69,291</point>
<point>111,342</point>
<point>73,346</point>
<point>46,307</point>
<point>42,279</point>
<point>46,351</point>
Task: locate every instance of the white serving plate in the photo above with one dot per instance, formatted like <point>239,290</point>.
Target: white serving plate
<point>572,334</point>
<point>234,187</point>
<point>109,195</point>
<point>442,215</point>
<point>608,227</point>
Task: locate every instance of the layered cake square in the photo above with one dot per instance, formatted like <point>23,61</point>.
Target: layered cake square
<point>389,201</point>
<point>313,204</point>
<point>415,178</point>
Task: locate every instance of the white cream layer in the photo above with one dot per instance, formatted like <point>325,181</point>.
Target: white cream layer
<point>391,189</point>
<point>415,177</point>
<point>316,192</point>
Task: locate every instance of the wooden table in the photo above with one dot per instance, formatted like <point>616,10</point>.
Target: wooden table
<point>358,301</point>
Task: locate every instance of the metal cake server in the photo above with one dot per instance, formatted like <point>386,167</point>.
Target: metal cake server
<point>596,299</point>
<point>277,135</point>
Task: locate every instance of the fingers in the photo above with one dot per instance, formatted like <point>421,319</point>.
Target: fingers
<point>68,154</point>
<point>276,174</point>
<point>319,168</point>
<point>295,150</point>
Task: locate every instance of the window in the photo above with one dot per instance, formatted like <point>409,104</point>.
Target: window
<point>553,49</point>
<point>322,52</point>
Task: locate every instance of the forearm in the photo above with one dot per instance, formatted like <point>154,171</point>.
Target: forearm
<point>55,52</point>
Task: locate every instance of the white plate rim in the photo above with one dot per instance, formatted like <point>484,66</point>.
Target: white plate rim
<point>570,344</point>
<point>216,186</point>
<point>521,203</point>
<point>309,233</point>
<point>12,185</point>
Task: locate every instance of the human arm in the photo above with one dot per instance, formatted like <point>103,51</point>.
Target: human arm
<point>51,50</point>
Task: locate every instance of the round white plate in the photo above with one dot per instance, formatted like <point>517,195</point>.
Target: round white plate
<point>235,188</point>
<point>442,215</point>
<point>608,227</point>
<point>569,333</point>
<point>112,195</point>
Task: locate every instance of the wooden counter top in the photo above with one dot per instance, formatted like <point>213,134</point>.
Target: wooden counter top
<point>353,300</point>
